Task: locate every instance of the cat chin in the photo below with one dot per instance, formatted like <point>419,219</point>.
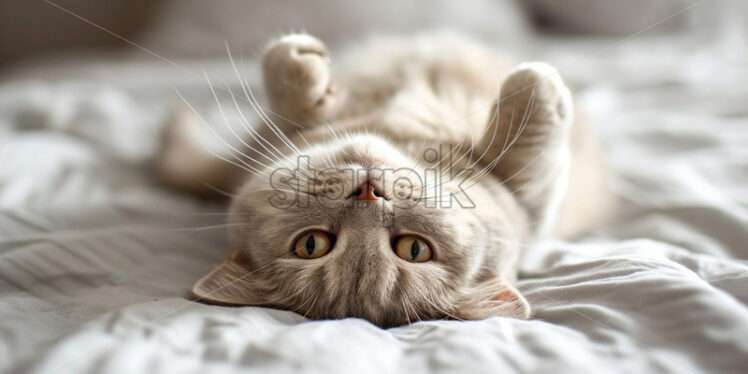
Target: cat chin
<point>233,284</point>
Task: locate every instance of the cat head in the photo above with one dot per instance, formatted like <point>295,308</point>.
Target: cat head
<point>360,229</point>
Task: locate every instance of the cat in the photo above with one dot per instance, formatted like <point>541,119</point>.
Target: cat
<point>403,184</point>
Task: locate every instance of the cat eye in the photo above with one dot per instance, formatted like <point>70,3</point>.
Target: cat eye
<point>313,244</point>
<point>412,248</point>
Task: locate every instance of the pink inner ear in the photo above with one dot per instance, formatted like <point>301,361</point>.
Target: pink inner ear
<point>494,297</point>
<point>503,296</point>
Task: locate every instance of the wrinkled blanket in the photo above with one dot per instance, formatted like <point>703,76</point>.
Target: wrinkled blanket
<point>96,257</point>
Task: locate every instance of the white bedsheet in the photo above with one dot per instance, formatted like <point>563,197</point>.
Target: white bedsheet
<point>96,258</point>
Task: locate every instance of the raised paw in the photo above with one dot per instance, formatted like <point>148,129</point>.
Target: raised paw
<point>537,90</point>
<point>527,143</point>
<point>298,78</point>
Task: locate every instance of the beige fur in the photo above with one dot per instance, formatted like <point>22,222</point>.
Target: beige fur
<point>386,103</point>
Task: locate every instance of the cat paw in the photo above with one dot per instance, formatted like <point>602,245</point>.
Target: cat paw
<point>540,86</point>
<point>297,74</point>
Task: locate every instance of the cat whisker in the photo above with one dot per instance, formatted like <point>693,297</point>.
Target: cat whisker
<point>310,298</point>
<point>405,310</point>
<point>463,154</point>
<point>325,156</point>
<point>529,163</point>
<point>311,307</point>
<point>421,151</point>
<point>493,163</point>
<point>337,137</point>
<point>216,214</point>
<point>533,179</point>
<point>415,313</point>
<point>520,130</point>
<point>245,125</point>
<point>439,310</point>
<point>200,213</point>
<point>449,155</point>
<point>268,122</point>
<point>248,192</point>
<point>493,137</point>
<point>192,230</point>
<point>254,134</point>
<point>310,146</point>
<point>244,166</point>
<point>505,147</point>
<point>451,165</point>
<point>219,137</point>
<point>250,96</point>
<point>228,124</point>
<point>219,191</point>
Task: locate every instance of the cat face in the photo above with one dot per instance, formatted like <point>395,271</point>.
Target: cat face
<point>360,231</point>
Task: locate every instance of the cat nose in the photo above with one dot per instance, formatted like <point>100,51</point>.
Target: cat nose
<point>366,192</point>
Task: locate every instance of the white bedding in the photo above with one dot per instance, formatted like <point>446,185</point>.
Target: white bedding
<point>96,258</point>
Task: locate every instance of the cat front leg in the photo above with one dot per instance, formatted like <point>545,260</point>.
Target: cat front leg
<point>298,80</point>
<point>526,143</point>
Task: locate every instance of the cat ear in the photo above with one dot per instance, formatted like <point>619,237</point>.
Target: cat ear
<point>526,140</point>
<point>231,283</point>
<point>495,297</point>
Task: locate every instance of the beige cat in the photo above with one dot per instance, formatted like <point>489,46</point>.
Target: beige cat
<point>401,185</point>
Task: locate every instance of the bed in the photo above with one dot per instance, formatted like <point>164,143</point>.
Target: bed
<point>96,258</point>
